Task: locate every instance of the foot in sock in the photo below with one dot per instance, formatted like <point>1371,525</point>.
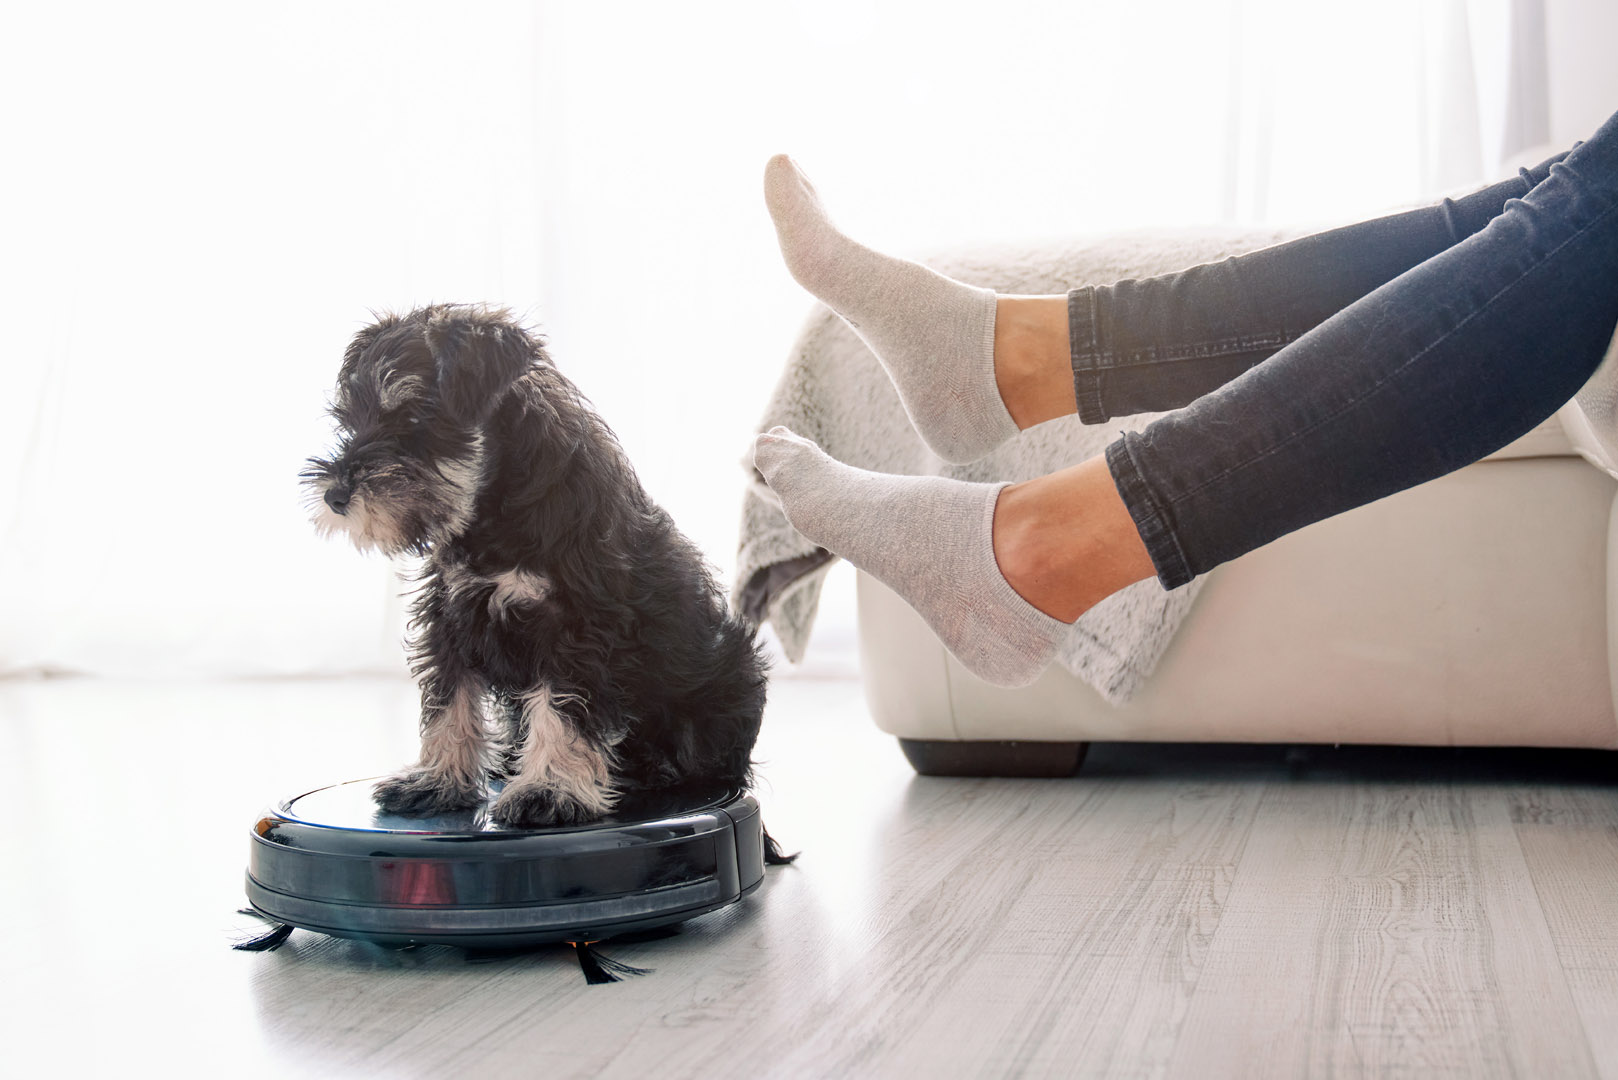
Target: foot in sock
<point>933,335</point>
<point>929,539</point>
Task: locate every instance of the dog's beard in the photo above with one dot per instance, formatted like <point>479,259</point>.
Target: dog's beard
<point>370,524</point>
<point>396,511</point>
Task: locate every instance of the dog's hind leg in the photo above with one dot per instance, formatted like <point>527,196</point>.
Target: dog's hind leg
<point>563,778</point>
<point>455,753</point>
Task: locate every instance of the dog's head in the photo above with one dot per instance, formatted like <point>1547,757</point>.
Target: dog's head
<point>412,397</point>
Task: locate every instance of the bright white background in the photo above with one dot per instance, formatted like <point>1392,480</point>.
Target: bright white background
<point>203,201</point>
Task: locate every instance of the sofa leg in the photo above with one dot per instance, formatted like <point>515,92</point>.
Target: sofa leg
<point>941,757</point>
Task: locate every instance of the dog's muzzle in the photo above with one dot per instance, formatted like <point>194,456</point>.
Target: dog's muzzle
<point>338,496</point>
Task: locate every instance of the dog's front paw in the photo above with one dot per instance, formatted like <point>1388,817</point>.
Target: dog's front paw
<point>418,791</point>
<point>534,805</point>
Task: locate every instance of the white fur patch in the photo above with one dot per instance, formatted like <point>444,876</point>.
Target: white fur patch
<point>557,757</point>
<point>514,588</point>
<point>507,589</point>
<point>456,741</point>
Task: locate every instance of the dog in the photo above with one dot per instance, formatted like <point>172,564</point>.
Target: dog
<point>566,637</point>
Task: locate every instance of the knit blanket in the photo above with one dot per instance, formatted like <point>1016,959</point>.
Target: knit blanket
<point>834,392</point>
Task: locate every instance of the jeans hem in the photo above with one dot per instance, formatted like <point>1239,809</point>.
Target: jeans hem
<point>1150,520</point>
<point>1083,347</point>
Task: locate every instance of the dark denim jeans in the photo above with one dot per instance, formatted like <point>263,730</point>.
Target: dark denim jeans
<point>1321,374</point>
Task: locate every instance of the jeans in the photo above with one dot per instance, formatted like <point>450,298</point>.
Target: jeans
<point>1315,376</point>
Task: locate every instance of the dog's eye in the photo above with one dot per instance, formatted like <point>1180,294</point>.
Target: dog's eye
<point>414,420</point>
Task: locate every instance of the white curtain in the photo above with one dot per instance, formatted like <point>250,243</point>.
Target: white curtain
<point>1344,109</point>
<point>206,200</point>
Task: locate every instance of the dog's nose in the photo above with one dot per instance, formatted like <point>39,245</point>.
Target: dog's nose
<point>337,497</point>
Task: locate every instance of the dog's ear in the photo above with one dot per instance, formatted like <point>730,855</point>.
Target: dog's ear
<point>478,354</point>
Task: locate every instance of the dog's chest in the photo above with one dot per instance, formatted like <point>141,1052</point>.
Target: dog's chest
<point>516,589</point>
<point>498,596</point>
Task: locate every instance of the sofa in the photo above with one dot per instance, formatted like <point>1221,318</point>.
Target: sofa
<point>1474,610</point>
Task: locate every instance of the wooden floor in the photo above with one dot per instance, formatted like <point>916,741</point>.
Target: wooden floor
<point>1173,911</point>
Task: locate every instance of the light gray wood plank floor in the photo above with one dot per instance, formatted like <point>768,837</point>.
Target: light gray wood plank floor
<point>1173,911</point>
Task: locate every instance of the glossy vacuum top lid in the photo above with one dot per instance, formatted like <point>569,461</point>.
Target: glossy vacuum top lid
<point>350,806</point>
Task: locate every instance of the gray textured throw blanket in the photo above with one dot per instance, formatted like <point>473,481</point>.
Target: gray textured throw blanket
<point>834,392</point>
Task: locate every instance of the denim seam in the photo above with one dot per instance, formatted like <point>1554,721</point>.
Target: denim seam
<point>1086,373</point>
<point>1090,362</point>
<point>1150,516</point>
<point>1396,372</point>
<point>1153,355</point>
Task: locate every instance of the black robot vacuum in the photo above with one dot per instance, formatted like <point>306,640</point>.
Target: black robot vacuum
<point>334,862</point>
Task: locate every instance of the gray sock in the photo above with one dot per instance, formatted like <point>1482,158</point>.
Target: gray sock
<point>933,335</point>
<point>929,539</point>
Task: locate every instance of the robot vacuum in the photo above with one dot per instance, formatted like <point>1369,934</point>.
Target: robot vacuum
<point>334,862</point>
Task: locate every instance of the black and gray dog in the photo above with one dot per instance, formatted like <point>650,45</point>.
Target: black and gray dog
<point>566,636</point>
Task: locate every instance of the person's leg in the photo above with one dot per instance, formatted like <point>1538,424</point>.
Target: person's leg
<point>1157,344</point>
<point>1439,367</point>
<point>973,368</point>
<point>1433,370</point>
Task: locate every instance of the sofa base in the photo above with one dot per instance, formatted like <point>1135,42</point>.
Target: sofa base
<point>941,757</point>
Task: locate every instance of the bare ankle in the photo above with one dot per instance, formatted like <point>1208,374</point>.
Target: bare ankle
<point>1065,542</point>
<point>1028,562</point>
<point>1032,366</point>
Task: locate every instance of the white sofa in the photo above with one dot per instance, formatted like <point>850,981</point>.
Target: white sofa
<point>1472,610</point>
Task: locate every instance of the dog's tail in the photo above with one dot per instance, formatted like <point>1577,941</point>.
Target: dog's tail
<point>773,856</point>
